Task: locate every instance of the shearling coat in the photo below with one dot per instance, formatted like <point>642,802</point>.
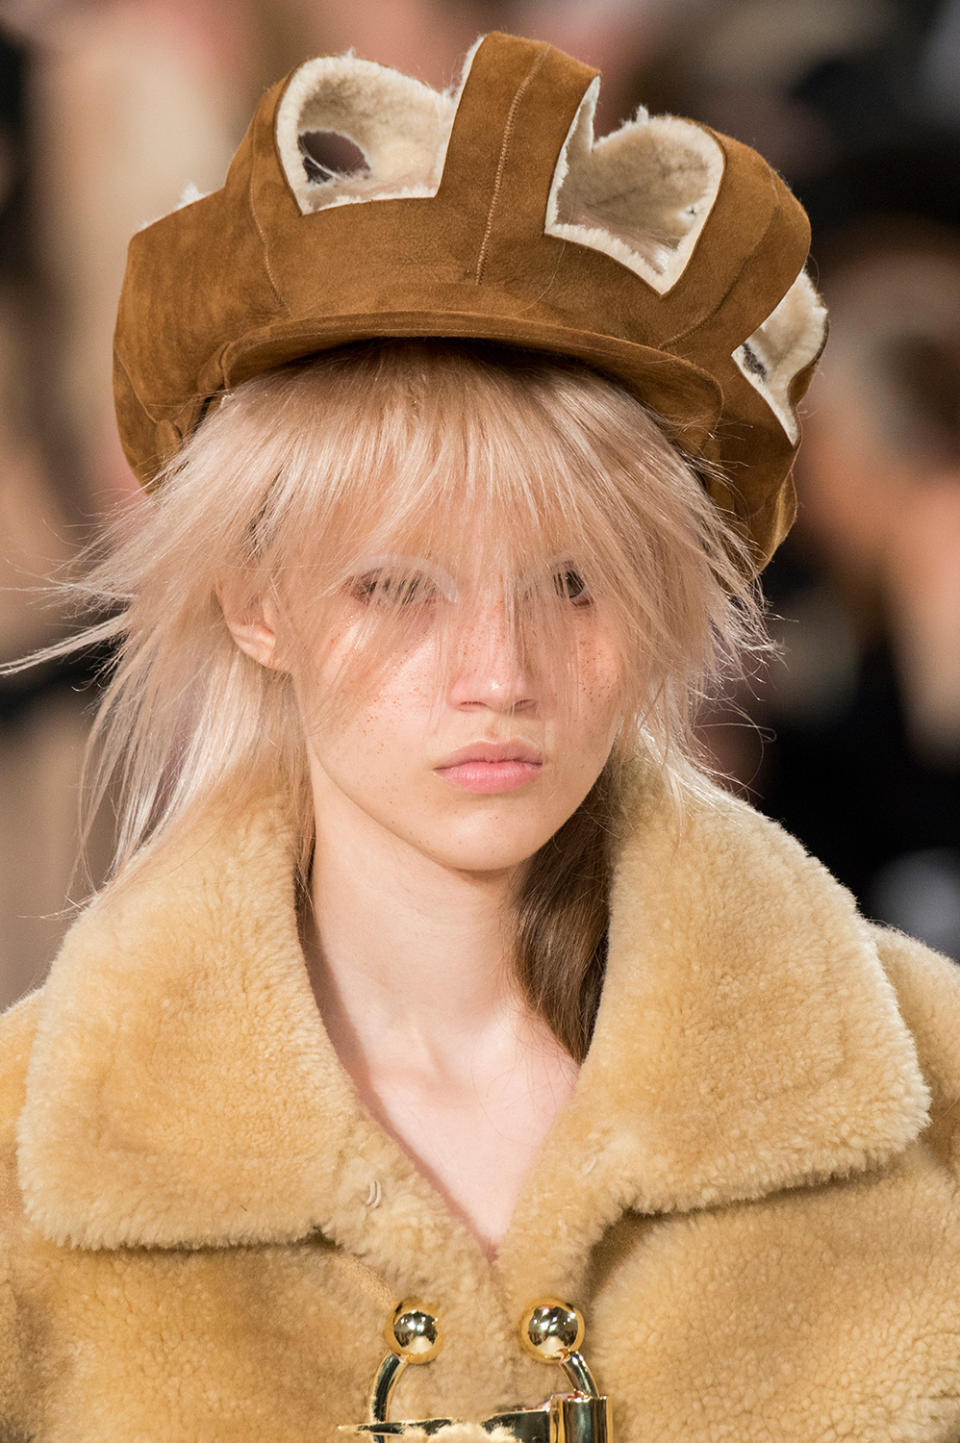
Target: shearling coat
<point>752,1194</point>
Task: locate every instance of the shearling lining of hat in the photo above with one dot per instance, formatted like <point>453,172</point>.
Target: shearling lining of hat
<point>190,194</point>
<point>641,195</point>
<point>401,125</point>
<point>789,339</point>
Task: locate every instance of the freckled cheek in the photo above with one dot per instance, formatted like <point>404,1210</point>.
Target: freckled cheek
<point>388,739</point>
<point>600,693</point>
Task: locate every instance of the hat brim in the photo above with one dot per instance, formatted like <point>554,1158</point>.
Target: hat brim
<point>680,391</point>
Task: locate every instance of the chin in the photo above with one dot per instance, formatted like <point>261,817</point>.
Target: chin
<point>496,854</point>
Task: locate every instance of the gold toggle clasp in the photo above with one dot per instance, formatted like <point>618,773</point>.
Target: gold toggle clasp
<point>413,1336</point>
<point>550,1330</point>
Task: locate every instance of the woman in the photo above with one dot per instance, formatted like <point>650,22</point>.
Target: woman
<point>433,968</point>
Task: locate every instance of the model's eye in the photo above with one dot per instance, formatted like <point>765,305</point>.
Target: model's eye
<point>384,588</point>
<point>569,584</point>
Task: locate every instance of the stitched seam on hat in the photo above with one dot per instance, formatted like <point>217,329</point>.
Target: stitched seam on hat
<point>501,164</point>
<point>149,408</point>
<point>748,260</point>
<point>263,241</point>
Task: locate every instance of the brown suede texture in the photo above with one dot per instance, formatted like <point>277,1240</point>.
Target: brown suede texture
<point>241,282</point>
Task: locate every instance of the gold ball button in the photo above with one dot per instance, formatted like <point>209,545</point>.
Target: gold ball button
<point>551,1330</point>
<point>414,1331</point>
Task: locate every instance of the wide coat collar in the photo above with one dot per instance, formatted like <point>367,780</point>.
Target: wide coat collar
<point>183,1091</point>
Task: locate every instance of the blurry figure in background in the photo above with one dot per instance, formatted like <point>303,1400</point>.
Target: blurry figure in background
<point>40,747</point>
<point>865,766</point>
<point>129,101</point>
<point>859,752</point>
<point>43,727</point>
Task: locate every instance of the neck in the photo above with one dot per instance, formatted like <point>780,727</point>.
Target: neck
<point>407,957</point>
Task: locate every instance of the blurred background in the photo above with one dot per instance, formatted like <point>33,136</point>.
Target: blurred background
<point>108,108</point>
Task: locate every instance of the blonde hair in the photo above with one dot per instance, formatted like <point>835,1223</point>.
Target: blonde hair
<point>491,462</point>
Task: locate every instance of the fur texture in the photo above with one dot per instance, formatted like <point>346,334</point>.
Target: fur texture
<point>641,195</point>
<point>789,339</point>
<point>752,1194</point>
<point>401,126</point>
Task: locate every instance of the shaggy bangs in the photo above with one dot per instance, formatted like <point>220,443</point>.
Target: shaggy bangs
<point>414,476</point>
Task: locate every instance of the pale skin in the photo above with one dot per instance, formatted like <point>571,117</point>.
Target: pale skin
<point>408,948</point>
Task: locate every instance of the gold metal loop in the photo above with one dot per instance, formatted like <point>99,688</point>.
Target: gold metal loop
<point>550,1331</point>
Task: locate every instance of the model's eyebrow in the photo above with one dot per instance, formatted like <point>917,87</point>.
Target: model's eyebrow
<point>408,565</point>
<point>442,579</point>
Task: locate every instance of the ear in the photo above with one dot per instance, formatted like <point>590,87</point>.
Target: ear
<point>251,620</point>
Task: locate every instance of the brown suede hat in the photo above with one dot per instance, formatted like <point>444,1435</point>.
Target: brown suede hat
<point>666,255</point>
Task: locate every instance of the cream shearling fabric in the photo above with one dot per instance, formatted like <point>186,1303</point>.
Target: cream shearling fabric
<point>752,1194</point>
<point>401,126</point>
<point>789,339</point>
<point>641,195</point>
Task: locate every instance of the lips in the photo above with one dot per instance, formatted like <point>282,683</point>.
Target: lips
<point>511,751</point>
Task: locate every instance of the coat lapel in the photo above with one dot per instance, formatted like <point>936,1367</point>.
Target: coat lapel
<point>183,1091</point>
<point>748,1039</point>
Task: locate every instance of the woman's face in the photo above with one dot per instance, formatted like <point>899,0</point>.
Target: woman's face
<point>393,751</point>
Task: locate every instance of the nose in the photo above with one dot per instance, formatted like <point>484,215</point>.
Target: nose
<point>487,667</point>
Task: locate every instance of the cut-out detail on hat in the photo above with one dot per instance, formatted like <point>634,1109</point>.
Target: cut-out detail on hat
<point>641,195</point>
<point>327,154</point>
<point>789,339</point>
<point>400,127</point>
